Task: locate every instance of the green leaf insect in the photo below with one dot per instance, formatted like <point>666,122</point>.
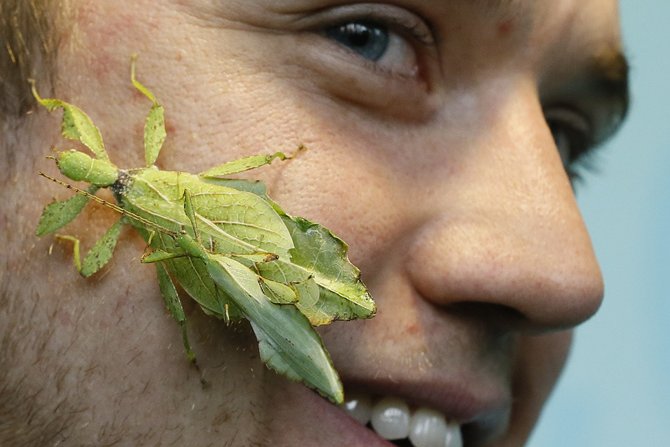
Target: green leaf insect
<point>223,241</point>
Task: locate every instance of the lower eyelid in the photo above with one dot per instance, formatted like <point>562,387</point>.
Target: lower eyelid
<point>334,72</point>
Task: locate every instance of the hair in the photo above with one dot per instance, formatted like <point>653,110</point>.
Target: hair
<point>30,35</point>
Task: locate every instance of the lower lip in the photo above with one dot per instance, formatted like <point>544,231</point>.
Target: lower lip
<point>350,432</point>
<point>336,428</point>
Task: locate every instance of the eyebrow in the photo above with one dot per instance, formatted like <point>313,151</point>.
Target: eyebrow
<point>607,77</point>
<point>610,72</point>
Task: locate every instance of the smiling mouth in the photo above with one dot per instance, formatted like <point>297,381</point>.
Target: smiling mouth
<point>394,420</point>
<point>407,424</point>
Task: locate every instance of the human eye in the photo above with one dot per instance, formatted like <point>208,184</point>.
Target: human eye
<point>386,49</point>
<point>573,135</point>
<point>382,58</point>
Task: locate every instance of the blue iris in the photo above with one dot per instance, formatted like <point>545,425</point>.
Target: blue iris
<point>367,39</point>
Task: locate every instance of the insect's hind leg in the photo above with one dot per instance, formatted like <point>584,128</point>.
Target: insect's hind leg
<point>173,304</point>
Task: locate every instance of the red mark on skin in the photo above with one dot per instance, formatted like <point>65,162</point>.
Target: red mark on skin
<point>64,318</point>
<point>169,127</point>
<point>412,329</point>
<point>138,130</point>
<point>104,28</point>
<point>505,27</point>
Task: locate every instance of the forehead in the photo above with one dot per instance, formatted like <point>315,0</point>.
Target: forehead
<point>599,17</point>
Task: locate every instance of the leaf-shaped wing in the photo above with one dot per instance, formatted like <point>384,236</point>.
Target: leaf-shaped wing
<point>230,221</point>
<point>253,186</point>
<point>287,342</point>
<point>277,292</point>
<point>320,255</point>
<point>343,294</point>
<point>244,217</point>
<point>191,274</point>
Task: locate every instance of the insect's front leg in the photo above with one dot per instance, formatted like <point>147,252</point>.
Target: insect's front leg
<point>60,213</point>
<point>99,255</point>
<point>154,126</point>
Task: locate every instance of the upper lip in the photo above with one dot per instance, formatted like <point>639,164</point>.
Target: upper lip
<point>482,411</point>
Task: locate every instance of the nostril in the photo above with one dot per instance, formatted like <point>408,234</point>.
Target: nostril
<point>497,318</point>
<point>500,320</point>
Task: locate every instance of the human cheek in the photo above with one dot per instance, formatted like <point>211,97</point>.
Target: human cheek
<point>540,361</point>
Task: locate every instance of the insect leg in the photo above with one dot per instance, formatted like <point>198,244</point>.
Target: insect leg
<point>76,125</point>
<point>154,125</point>
<point>247,163</point>
<point>99,255</point>
<point>75,249</point>
<point>58,214</point>
<point>190,213</point>
<point>161,255</point>
<point>173,304</point>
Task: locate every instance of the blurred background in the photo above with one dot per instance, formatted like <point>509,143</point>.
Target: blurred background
<point>616,388</point>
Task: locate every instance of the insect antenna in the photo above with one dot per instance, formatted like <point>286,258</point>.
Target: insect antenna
<point>111,205</point>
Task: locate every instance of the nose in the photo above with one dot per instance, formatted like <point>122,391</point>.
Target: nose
<point>503,232</point>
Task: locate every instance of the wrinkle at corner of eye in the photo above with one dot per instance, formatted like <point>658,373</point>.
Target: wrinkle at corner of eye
<point>228,15</point>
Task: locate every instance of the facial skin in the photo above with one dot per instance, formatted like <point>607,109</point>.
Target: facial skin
<point>435,163</point>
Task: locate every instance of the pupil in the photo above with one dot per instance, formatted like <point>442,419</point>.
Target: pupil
<point>367,39</point>
<point>358,34</point>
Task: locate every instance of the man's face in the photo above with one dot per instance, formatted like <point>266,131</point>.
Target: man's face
<point>430,152</point>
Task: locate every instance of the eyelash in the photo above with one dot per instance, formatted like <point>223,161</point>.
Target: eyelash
<point>413,32</point>
<point>578,133</point>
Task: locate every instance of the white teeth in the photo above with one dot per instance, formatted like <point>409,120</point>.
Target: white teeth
<point>390,418</point>
<point>427,428</point>
<point>453,437</point>
<point>359,407</point>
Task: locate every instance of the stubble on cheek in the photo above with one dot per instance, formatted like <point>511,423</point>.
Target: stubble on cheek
<point>50,357</point>
<point>99,361</point>
<point>32,411</point>
<point>540,362</point>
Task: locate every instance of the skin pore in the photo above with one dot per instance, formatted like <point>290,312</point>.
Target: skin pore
<point>442,155</point>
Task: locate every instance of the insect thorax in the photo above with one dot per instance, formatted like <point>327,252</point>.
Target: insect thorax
<point>120,187</point>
